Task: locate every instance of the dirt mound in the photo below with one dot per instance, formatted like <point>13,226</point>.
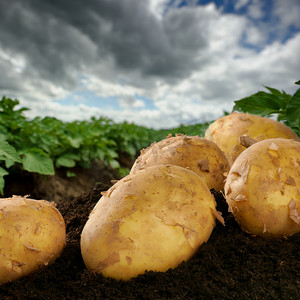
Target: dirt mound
<point>231,265</point>
<point>59,187</point>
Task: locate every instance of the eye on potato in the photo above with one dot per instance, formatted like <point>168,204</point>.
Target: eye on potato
<point>226,131</point>
<point>32,235</point>
<point>263,188</point>
<point>152,219</point>
<point>197,154</point>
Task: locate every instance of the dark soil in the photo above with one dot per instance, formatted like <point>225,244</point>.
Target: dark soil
<point>231,265</point>
<point>59,187</point>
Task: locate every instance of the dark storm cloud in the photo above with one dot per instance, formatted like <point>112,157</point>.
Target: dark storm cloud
<point>51,48</point>
<point>8,80</point>
<point>61,39</point>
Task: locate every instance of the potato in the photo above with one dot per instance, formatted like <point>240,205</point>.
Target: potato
<point>32,235</point>
<point>263,188</point>
<point>193,152</point>
<point>152,219</point>
<point>226,131</point>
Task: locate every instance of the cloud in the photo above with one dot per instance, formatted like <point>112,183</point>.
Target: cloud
<point>158,7</point>
<point>240,4</point>
<point>131,102</point>
<point>192,62</point>
<point>255,9</point>
<point>287,13</point>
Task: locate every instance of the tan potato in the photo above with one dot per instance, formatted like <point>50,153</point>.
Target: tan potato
<point>32,235</point>
<point>152,219</point>
<point>193,152</point>
<point>225,132</point>
<point>263,188</point>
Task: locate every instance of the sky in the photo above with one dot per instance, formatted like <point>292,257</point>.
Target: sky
<point>156,63</point>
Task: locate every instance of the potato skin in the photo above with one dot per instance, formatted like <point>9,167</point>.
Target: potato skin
<point>197,154</point>
<point>226,131</point>
<point>32,235</point>
<point>152,219</point>
<point>263,188</point>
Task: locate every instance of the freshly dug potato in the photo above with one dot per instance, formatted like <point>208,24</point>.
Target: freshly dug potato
<point>226,131</point>
<point>32,235</point>
<point>152,219</point>
<point>197,154</point>
<point>263,188</point>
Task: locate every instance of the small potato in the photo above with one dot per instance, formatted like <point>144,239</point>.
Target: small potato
<point>32,235</point>
<point>197,154</point>
<point>152,219</point>
<point>226,131</point>
<point>263,188</point>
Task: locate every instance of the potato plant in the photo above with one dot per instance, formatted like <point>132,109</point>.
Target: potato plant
<point>42,144</point>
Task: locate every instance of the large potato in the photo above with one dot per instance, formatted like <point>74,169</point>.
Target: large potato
<point>32,235</point>
<point>263,188</point>
<point>200,155</point>
<point>225,132</point>
<point>152,219</point>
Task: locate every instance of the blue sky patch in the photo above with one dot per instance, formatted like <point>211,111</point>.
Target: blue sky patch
<point>149,103</point>
<point>89,98</point>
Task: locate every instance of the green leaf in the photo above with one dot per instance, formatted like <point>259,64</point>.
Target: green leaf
<point>9,163</point>
<point>65,162</point>
<point>131,150</point>
<point>3,136</point>
<point>36,160</point>
<point>280,97</point>
<point>100,154</point>
<point>9,152</point>
<point>3,172</point>
<point>261,103</point>
<point>75,142</point>
<point>293,110</point>
<point>111,153</point>
<point>123,172</point>
<point>71,174</point>
<point>114,164</point>
<point>272,90</point>
<point>85,164</point>
<point>297,82</point>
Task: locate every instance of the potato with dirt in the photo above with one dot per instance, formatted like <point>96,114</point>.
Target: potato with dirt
<point>197,154</point>
<point>152,219</point>
<point>263,188</point>
<point>32,235</point>
<point>226,132</point>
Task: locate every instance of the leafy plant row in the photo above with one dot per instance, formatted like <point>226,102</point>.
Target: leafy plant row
<point>41,144</point>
